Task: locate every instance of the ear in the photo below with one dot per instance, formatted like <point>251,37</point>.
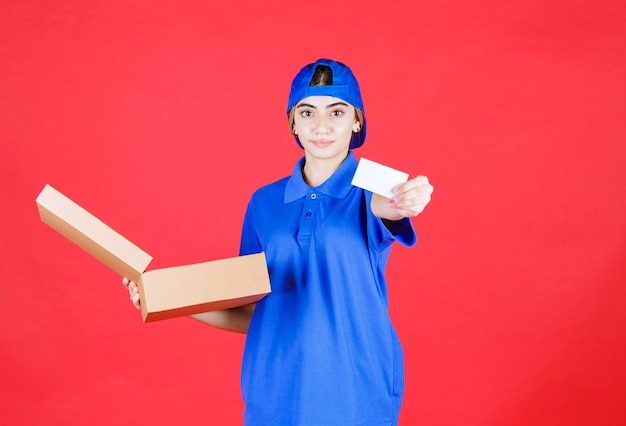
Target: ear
<point>356,127</point>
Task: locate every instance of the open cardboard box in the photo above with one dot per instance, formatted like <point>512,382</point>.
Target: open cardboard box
<point>165,293</point>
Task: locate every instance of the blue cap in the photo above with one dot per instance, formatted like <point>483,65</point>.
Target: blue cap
<point>344,87</point>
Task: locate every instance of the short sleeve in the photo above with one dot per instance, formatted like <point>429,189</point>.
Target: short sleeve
<point>250,243</point>
<point>402,231</point>
<point>382,233</point>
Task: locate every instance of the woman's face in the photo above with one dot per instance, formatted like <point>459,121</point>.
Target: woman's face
<point>324,125</point>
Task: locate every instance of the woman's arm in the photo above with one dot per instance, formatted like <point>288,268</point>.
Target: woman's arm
<point>235,319</point>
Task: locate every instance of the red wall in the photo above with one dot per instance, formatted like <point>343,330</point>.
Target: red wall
<point>163,117</point>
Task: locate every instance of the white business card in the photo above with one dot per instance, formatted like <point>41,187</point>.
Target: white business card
<point>378,178</point>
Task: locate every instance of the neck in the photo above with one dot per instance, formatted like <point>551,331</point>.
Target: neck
<point>317,171</point>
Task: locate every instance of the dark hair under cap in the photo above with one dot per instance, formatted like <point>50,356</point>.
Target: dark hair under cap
<point>342,84</point>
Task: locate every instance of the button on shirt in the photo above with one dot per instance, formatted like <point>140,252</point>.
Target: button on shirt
<point>321,349</point>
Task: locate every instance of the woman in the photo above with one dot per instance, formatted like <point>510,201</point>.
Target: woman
<point>321,349</point>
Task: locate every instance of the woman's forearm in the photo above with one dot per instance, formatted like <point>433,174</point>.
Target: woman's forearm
<point>234,319</point>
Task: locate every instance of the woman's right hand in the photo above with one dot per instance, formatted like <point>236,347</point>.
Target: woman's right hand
<point>133,292</point>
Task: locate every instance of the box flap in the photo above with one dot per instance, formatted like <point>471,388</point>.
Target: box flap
<point>91,234</point>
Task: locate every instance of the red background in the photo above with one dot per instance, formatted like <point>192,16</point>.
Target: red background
<point>163,117</point>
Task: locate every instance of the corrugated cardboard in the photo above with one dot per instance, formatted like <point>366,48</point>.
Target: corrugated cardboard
<point>165,293</point>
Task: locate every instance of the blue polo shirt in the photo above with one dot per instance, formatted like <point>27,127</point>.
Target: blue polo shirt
<point>321,349</point>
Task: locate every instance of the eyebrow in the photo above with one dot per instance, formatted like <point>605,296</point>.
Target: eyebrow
<point>327,106</point>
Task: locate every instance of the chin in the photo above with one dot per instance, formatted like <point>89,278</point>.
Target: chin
<point>328,152</point>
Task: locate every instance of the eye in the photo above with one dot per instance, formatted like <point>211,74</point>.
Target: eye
<point>337,113</point>
<point>306,113</point>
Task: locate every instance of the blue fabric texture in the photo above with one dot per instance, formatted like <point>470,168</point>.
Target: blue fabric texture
<point>344,86</point>
<point>321,348</point>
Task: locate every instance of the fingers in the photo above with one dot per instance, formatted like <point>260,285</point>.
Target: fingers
<point>133,292</point>
<point>418,183</point>
<point>412,196</point>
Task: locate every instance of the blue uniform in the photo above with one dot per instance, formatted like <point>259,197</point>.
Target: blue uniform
<point>321,349</point>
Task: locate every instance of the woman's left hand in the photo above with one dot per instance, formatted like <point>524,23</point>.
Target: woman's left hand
<point>410,199</point>
<point>412,196</point>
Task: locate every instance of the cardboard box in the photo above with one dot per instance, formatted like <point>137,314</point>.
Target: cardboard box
<point>165,293</point>
<point>203,287</point>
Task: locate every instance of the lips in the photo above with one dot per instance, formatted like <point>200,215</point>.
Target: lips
<point>321,143</point>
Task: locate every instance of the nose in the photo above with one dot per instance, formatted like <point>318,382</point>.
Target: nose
<point>321,125</point>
